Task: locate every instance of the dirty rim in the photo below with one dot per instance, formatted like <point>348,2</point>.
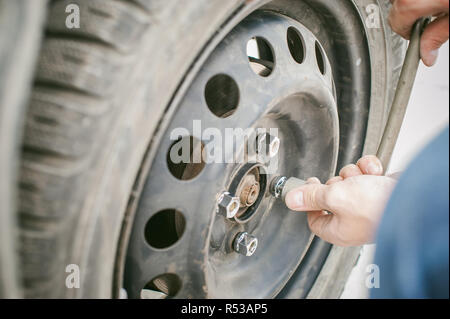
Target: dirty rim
<point>288,87</point>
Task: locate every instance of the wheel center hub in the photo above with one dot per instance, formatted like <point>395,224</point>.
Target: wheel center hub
<point>250,194</point>
<point>249,191</point>
<point>248,184</point>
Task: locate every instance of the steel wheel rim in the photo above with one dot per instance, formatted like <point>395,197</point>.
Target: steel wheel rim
<point>193,282</point>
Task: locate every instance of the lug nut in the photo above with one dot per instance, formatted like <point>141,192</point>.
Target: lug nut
<point>227,205</point>
<point>276,186</point>
<point>245,244</point>
<point>267,145</point>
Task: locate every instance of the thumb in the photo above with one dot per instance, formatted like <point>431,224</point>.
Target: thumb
<point>434,36</point>
<point>308,197</point>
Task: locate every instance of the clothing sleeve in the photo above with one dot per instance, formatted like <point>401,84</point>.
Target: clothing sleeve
<point>413,238</point>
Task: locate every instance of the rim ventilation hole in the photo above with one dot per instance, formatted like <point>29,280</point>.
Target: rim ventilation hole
<point>320,59</point>
<point>164,228</point>
<point>184,159</point>
<point>260,56</point>
<point>168,284</point>
<point>296,45</point>
<point>222,95</point>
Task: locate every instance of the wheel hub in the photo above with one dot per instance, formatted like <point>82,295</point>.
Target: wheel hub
<point>250,191</point>
<point>249,186</point>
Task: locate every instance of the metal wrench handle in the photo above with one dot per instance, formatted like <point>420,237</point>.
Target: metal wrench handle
<point>402,95</point>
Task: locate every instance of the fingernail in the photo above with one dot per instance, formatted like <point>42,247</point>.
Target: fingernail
<point>294,199</point>
<point>431,57</point>
<point>374,169</point>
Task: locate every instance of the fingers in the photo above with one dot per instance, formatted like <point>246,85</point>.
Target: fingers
<point>309,197</point>
<point>319,223</point>
<point>312,197</point>
<point>350,171</point>
<point>367,165</point>
<point>313,180</point>
<point>318,220</point>
<point>334,180</point>
<point>434,36</point>
<point>404,13</point>
<point>370,165</point>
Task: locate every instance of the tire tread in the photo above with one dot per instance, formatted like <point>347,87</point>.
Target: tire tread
<point>71,101</point>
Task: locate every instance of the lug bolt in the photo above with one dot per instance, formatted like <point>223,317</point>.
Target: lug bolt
<point>245,244</point>
<point>267,145</point>
<point>227,205</point>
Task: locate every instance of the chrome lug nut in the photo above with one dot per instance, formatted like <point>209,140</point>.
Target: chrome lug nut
<point>227,205</point>
<point>276,186</point>
<point>267,145</point>
<point>245,244</point>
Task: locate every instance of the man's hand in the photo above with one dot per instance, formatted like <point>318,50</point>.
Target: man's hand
<point>355,201</point>
<point>403,15</point>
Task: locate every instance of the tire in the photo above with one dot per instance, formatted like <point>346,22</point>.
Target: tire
<point>20,28</point>
<point>100,95</point>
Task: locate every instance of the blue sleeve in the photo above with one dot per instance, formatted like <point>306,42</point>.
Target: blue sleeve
<point>413,237</point>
